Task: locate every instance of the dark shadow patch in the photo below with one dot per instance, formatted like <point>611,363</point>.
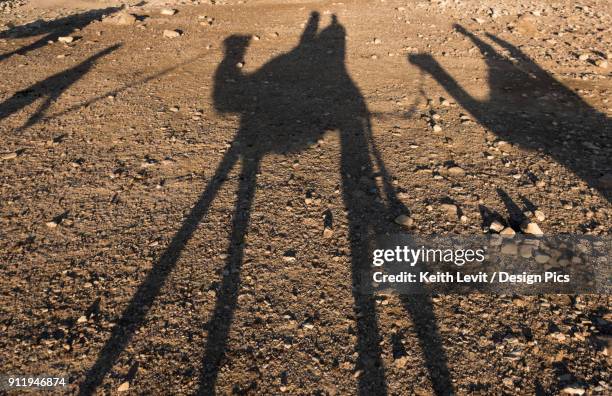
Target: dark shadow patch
<point>52,30</point>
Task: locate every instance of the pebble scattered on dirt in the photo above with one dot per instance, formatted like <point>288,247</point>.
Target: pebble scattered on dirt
<point>490,117</point>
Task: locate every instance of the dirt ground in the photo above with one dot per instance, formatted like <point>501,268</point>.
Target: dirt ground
<point>186,212</point>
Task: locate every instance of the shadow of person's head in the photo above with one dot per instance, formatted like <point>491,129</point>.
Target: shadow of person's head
<point>236,45</point>
<point>333,34</point>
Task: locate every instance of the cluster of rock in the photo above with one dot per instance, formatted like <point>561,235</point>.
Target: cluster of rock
<point>7,6</point>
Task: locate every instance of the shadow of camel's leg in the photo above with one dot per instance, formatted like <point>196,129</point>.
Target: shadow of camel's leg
<point>140,304</point>
<point>355,163</point>
<point>221,320</point>
<point>31,47</point>
<point>52,88</point>
<point>16,103</point>
<point>420,309</point>
<point>419,306</point>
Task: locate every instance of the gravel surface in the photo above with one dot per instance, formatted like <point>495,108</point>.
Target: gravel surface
<point>186,197</point>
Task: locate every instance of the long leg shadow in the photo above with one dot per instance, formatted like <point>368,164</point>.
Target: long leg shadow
<point>51,88</point>
<point>140,304</point>
<point>419,306</point>
<point>219,325</point>
<point>420,309</point>
<point>514,109</point>
<point>363,208</point>
<point>51,29</point>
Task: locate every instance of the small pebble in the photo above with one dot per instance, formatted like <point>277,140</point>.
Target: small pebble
<point>9,156</point>
<point>509,248</point>
<point>572,390</point>
<point>171,33</point>
<point>525,251</point>
<point>404,220</point>
<point>65,39</point>
<point>168,11</point>
<point>541,258</point>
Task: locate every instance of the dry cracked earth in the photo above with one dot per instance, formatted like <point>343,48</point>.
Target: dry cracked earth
<point>187,191</point>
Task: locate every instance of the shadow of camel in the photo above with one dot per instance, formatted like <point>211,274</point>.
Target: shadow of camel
<point>51,29</point>
<point>50,88</point>
<point>285,106</point>
<point>530,108</point>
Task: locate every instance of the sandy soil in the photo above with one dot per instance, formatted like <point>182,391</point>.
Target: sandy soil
<point>165,201</point>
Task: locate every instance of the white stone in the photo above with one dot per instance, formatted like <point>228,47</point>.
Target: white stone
<point>168,11</point>
<point>496,226</point>
<point>533,229</point>
<point>571,390</point>
<point>172,33</point>
<point>539,215</point>
<point>404,220</point>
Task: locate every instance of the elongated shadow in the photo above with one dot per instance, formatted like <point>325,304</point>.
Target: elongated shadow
<point>418,306</point>
<point>50,88</point>
<point>420,309</point>
<point>528,107</point>
<point>140,304</point>
<point>51,29</point>
<point>284,107</point>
